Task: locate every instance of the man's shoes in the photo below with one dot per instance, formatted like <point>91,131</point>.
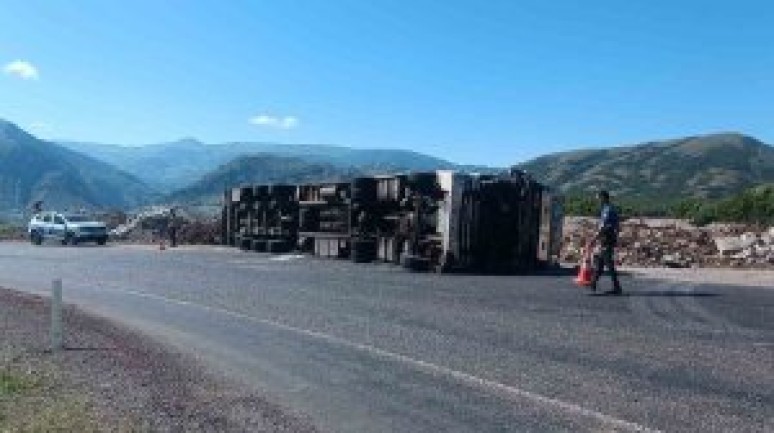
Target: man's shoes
<point>614,292</point>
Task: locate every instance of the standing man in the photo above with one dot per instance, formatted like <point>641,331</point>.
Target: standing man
<point>172,227</point>
<point>607,236</point>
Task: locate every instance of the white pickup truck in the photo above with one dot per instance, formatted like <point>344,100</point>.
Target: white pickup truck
<point>66,228</point>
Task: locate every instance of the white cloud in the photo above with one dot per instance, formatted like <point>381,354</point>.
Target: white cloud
<point>22,69</point>
<point>278,122</point>
<point>40,126</point>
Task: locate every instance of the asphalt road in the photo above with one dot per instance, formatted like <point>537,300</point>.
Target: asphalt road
<point>371,348</point>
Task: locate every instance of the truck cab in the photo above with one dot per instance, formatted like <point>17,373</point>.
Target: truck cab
<point>69,229</point>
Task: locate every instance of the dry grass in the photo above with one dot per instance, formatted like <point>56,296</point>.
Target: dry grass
<point>69,414</point>
<point>35,401</point>
<point>14,383</point>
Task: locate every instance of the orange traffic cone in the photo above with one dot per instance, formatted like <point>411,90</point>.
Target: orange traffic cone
<point>584,273</point>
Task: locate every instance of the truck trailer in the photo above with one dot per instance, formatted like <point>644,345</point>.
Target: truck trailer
<point>443,221</point>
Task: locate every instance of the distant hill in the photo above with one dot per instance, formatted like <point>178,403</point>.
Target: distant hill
<point>651,176</point>
<point>181,163</point>
<point>172,165</point>
<point>709,166</point>
<point>33,169</point>
<point>258,169</point>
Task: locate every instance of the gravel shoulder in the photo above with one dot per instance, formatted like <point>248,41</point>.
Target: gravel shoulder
<point>110,378</point>
<point>731,277</point>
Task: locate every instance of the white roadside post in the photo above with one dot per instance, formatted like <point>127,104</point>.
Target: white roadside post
<point>56,315</point>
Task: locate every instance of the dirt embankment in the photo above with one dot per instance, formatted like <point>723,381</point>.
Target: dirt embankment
<point>112,379</point>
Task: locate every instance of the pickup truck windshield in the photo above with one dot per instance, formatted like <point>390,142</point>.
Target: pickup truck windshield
<point>77,218</point>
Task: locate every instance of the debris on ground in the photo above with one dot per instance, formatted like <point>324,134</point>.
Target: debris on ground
<point>151,225</point>
<point>677,243</point>
<point>763,278</point>
<point>200,232</point>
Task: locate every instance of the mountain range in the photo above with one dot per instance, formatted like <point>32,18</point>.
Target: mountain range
<point>33,170</point>
<point>258,169</point>
<point>180,163</point>
<point>75,174</point>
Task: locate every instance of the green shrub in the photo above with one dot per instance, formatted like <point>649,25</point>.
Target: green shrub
<point>14,382</point>
<point>753,206</point>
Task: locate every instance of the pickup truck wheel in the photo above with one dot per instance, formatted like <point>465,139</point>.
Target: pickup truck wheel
<point>35,238</point>
<point>100,241</point>
<point>69,240</point>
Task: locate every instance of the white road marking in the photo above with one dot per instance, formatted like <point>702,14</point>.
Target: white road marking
<point>475,381</point>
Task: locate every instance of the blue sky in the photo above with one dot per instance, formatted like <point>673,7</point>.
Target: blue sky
<point>486,82</point>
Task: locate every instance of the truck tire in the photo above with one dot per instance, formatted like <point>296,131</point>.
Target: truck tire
<point>363,190</point>
<point>415,263</point>
<point>277,246</point>
<point>244,244</point>
<point>363,251</point>
<point>309,219</point>
<point>282,193</point>
<point>100,241</point>
<point>260,192</point>
<point>306,245</point>
<point>259,245</point>
<point>423,183</point>
<point>445,264</point>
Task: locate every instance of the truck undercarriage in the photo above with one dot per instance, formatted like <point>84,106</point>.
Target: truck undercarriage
<point>443,221</point>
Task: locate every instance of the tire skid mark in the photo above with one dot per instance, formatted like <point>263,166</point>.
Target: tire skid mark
<point>699,314</point>
<point>674,305</point>
<point>649,309</point>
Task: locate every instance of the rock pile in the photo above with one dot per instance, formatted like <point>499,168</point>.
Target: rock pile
<point>750,247</point>
<point>200,232</point>
<point>152,225</point>
<point>677,243</point>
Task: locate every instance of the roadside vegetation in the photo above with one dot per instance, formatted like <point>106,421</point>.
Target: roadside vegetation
<point>753,206</point>
<point>34,400</point>
<point>9,231</point>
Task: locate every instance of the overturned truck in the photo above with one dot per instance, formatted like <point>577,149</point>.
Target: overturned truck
<point>441,221</point>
